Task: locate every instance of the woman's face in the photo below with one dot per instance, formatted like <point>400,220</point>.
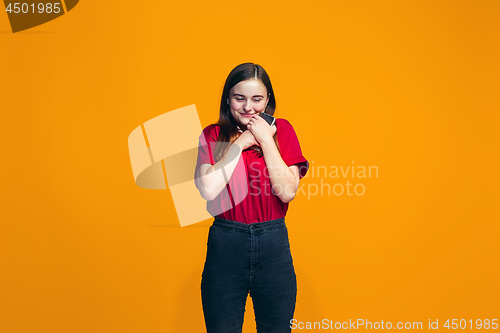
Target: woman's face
<point>247,98</point>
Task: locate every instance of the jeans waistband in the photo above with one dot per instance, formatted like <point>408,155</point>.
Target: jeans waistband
<point>250,228</point>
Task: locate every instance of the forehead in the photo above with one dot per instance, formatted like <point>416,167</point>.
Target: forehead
<point>249,87</point>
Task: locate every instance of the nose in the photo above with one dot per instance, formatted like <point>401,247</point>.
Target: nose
<point>247,107</point>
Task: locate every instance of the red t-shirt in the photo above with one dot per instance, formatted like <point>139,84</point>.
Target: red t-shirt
<point>248,196</point>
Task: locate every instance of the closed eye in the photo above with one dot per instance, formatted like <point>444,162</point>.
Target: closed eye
<point>242,99</point>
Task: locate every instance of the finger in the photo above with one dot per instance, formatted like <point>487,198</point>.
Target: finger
<point>262,120</point>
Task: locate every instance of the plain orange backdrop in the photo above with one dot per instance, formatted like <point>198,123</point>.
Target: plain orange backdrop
<point>411,87</point>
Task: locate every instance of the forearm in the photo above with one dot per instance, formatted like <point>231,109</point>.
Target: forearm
<point>283,181</point>
<point>217,176</point>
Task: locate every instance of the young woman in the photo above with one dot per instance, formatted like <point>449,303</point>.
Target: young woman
<point>248,171</point>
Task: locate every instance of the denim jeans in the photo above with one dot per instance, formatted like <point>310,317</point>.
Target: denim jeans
<point>248,258</point>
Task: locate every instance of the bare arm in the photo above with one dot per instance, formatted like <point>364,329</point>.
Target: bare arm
<point>284,179</point>
<point>211,179</point>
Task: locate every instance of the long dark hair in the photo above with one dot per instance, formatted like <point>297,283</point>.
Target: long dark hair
<point>228,130</point>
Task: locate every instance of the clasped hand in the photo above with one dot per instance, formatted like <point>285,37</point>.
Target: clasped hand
<point>258,133</point>
<point>260,129</point>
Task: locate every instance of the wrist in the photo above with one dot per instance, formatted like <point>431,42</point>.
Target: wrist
<point>267,142</point>
<point>239,144</point>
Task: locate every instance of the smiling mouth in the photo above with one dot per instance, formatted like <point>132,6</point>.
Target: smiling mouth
<point>247,114</point>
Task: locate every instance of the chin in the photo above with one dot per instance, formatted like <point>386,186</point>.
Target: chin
<point>244,121</point>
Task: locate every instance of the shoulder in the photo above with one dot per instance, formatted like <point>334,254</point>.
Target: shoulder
<point>212,131</point>
<point>282,122</point>
<point>283,126</point>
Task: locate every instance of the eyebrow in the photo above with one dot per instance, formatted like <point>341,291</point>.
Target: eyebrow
<point>252,96</point>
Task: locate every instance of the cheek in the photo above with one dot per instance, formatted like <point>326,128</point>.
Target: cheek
<point>260,107</point>
<point>234,105</point>
<point>234,112</point>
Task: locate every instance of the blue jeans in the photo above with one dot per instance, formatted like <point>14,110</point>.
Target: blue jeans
<point>244,259</point>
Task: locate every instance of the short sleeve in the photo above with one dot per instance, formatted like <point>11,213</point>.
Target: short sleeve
<point>289,146</point>
<point>207,141</point>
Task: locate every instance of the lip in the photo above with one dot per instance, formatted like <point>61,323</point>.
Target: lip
<point>247,114</point>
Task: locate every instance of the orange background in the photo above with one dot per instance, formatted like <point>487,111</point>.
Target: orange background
<point>409,87</point>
